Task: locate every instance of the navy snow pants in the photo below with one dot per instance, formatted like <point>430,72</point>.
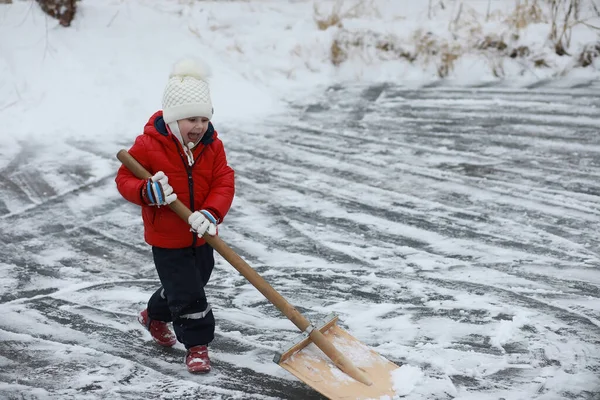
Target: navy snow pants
<point>181,299</point>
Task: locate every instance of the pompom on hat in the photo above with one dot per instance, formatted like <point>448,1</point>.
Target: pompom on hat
<point>187,93</point>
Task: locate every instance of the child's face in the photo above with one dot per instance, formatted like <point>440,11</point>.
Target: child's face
<point>192,129</point>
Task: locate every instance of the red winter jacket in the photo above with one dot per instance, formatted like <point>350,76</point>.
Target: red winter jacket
<point>208,184</point>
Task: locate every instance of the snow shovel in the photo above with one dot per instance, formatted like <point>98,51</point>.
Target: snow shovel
<point>333,374</point>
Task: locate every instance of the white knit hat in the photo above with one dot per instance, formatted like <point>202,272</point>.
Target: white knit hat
<point>187,93</point>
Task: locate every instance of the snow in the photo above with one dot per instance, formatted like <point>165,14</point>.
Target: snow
<point>262,53</point>
<point>70,98</point>
<point>405,379</point>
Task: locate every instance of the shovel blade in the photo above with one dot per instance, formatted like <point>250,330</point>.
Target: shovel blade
<point>312,366</point>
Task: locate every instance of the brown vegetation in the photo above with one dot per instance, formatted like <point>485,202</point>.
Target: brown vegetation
<point>62,10</point>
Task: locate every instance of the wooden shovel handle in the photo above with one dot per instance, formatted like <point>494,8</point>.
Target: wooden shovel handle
<point>255,279</point>
<point>224,250</point>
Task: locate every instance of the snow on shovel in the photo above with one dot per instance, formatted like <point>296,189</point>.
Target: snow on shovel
<point>367,376</point>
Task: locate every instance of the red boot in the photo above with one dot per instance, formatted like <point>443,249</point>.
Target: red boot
<point>159,330</point>
<point>197,360</point>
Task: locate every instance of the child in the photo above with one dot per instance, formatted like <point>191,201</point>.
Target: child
<point>181,148</point>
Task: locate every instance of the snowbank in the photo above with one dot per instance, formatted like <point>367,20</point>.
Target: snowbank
<point>99,79</point>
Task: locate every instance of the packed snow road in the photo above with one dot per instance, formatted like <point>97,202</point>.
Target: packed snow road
<point>453,230</point>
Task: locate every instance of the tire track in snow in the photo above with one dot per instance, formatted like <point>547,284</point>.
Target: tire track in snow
<point>451,225</point>
<point>532,194</point>
<point>462,221</point>
<point>82,325</point>
<point>466,174</point>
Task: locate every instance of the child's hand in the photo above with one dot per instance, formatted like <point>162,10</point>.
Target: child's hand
<point>157,191</point>
<point>203,222</point>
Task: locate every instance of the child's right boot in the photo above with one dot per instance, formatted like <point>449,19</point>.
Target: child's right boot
<point>159,330</point>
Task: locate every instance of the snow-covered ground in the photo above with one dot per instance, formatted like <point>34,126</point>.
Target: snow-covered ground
<point>99,78</point>
<point>451,223</point>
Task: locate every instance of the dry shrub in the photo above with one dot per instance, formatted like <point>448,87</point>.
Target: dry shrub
<point>596,8</point>
<point>386,46</point>
<point>559,48</point>
<point>467,23</point>
<point>448,57</point>
<point>494,48</point>
<point>589,53</point>
<point>338,14</point>
<point>62,10</point>
<point>433,49</point>
<point>492,43</point>
<point>325,22</point>
<point>498,68</point>
<point>444,53</point>
<point>519,52</point>
<point>526,12</point>
<point>565,15</point>
<point>427,47</point>
<point>434,6</point>
<point>560,32</point>
<point>501,49</point>
<point>426,44</point>
<point>496,64</point>
<point>338,55</point>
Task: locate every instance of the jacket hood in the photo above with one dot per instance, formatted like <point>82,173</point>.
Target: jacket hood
<point>157,128</point>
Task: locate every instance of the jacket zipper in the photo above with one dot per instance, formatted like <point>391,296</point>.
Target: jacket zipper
<point>191,188</point>
<point>188,169</point>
